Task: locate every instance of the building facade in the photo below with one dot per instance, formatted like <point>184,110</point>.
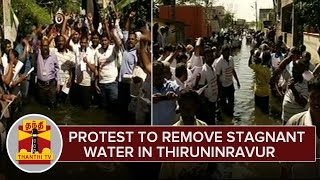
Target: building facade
<point>176,32</point>
<point>192,16</point>
<point>288,25</point>
<point>214,17</point>
<point>263,14</point>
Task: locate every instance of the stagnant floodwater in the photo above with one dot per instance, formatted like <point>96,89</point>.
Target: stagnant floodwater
<point>244,114</point>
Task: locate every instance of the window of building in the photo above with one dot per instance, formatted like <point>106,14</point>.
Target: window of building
<point>287,19</point>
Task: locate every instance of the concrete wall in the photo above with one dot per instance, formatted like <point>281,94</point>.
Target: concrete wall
<point>174,31</point>
<point>312,42</point>
<point>192,16</point>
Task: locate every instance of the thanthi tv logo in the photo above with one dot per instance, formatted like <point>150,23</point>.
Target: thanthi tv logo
<point>35,136</point>
<point>34,143</point>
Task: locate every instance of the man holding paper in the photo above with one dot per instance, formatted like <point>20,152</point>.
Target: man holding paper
<point>17,66</point>
<point>85,69</point>
<point>208,78</point>
<point>11,81</point>
<point>66,60</point>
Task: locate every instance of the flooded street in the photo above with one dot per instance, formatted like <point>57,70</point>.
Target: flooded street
<point>245,114</point>
<point>68,115</point>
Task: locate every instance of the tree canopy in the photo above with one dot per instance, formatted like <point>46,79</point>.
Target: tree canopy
<point>228,19</point>
<point>309,12</point>
<point>30,12</point>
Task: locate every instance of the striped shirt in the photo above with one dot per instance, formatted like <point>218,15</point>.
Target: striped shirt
<point>224,69</point>
<point>209,77</point>
<point>289,106</point>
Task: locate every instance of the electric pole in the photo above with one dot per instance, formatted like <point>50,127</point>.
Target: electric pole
<point>256,6</point>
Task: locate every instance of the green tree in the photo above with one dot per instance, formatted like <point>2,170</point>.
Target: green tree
<point>142,9</point>
<point>65,5</point>
<point>308,12</point>
<point>30,12</point>
<point>228,19</point>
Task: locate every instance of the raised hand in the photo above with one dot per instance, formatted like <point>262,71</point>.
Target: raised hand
<point>132,14</point>
<point>118,15</point>
<point>9,97</point>
<point>67,17</point>
<point>89,16</point>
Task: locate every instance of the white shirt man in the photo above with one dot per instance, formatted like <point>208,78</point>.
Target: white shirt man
<point>4,62</point>
<point>305,170</point>
<point>66,62</point>
<point>195,61</point>
<point>96,48</point>
<point>74,46</point>
<point>95,51</point>
<point>290,107</point>
<point>108,70</point>
<point>225,71</point>
<point>83,73</point>
<point>188,81</point>
<point>209,77</point>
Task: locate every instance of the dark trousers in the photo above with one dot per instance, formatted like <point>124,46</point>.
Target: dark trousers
<point>262,103</point>
<point>81,95</point>
<point>25,88</point>
<point>62,97</point>
<point>207,112</point>
<point>94,94</point>
<point>148,119</point>
<point>47,92</point>
<point>109,95</point>
<point>227,99</point>
<point>124,101</point>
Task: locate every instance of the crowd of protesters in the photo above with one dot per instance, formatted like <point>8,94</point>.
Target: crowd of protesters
<point>204,66</point>
<point>192,85</point>
<point>288,74</point>
<point>73,64</point>
<point>195,82</point>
